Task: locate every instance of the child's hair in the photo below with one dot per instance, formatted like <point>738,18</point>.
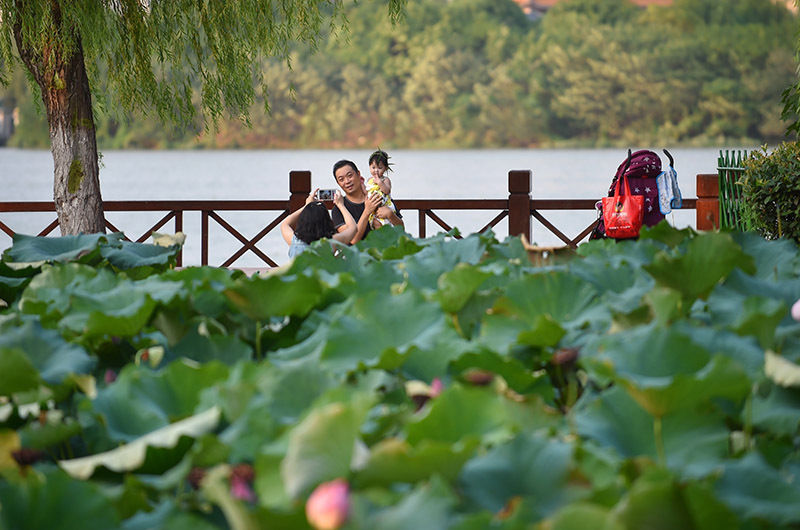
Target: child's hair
<point>381,157</point>
<point>314,223</point>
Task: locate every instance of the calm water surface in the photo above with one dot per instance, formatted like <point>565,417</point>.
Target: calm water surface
<point>435,174</point>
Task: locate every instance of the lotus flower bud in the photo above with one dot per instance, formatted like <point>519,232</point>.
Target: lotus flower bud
<point>110,376</point>
<point>796,311</point>
<point>436,387</point>
<point>328,505</point>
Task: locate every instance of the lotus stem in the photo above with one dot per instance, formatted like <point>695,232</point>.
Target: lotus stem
<point>659,439</point>
<point>258,340</point>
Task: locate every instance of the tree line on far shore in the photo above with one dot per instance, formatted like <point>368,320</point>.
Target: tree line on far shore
<point>479,73</point>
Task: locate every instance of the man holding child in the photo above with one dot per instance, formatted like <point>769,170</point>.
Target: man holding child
<point>357,202</point>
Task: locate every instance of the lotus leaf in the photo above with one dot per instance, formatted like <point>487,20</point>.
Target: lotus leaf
<point>141,401</point>
<point>166,515</point>
<point>561,296</point>
<point>53,357</point>
<point>663,370</point>
<point>131,456</point>
<point>774,260</point>
<point>394,460</point>
<point>778,412</point>
<point>204,347</point>
<point>580,516</point>
<point>460,412</point>
<point>276,295</point>
<point>456,286</point>
<point>438,257</point>
<point>529,466</point>
<point>407,322</point>
<point>694,444</point>
<point>655,501</point>
<point>17,372</point>
<point>428,506</point>
<point>129,255</point>
<point>321,447</point>
<point>83,247</point>
<point>754,489</point>
<point>52,498</point>
<point>708,259</point>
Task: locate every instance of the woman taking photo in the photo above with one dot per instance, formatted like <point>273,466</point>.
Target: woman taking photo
<point>312,222</point>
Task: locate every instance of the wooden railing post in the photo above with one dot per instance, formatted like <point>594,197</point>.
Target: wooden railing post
<point>707,208</point>
<point>519,203</point>
<point>299,188</point>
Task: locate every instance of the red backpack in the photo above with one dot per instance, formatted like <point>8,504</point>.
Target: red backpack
<point>641,173</point>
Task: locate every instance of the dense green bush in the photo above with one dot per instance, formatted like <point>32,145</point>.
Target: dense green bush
<point>771,191</point>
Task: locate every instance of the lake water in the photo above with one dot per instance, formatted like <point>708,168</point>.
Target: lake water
<point>27,175</point>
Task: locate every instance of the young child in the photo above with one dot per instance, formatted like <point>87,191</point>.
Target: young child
<point>379,183</point>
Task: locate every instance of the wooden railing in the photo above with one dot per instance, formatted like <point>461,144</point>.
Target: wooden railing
<point>519,207</point>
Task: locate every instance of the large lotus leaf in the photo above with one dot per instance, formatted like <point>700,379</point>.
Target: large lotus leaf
<point>131,456</point>
<point>529,466</point>
<point>93,302</point>
<point>655,502</point>
<point>778,412</point>
<point>707,510</point>
<point>276,295</point>
<point>375,323</point>
<point>774,260</point>
<point>636,254</point>
<point>129,255</point>
<point>167,515</point>
<point>17,373</point>
<point>83,247</point>
<point>204,348</point>
<point>581,516</point>
<point>460,412</point>
<point>667,234</point>
<point>708,259</point>
<point>321,446</point>
<point>122,310</point>
<point>393,460</point>
<point>502,333</point>
<point>755,490</point>
<point>695,443</point>
<point>787,289</point>
<point>559,295</point>
<point>425,267</point>
<point>141,401</point>
<point>743,350</point>
<point>49,293</point>
<point>663,370</point>
<point>52,499</point>
<point>755,316</point>
<point>458,285</point>
<point>426,363</point>
<point>53,357</point>
<point>429,505</point>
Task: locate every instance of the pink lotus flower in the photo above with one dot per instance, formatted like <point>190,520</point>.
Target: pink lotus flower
<point>328,505</point>
<point>110,376</point>
<point>436,387</point>
<point>796,311</point>
<point>241,479</point>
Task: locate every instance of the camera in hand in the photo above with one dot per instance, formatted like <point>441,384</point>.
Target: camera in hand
<point>325,195</point>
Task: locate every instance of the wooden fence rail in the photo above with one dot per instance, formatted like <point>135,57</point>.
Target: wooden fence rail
<point>519,207</point>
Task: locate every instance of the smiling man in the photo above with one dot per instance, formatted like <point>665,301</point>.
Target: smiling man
<point>357,202</point>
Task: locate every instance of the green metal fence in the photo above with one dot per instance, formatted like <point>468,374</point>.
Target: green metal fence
<point>730,170</point>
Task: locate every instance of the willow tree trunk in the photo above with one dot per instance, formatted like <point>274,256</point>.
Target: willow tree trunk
<point>61,76</point>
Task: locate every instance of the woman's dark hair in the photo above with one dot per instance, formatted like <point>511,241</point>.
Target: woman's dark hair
<point>380,156</point>
<point>314,223</point>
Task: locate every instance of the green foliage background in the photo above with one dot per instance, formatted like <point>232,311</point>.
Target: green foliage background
<point>771,191</point>
<point>478,73</point>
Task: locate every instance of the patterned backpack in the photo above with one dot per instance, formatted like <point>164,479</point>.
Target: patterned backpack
<point>641,173</point>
